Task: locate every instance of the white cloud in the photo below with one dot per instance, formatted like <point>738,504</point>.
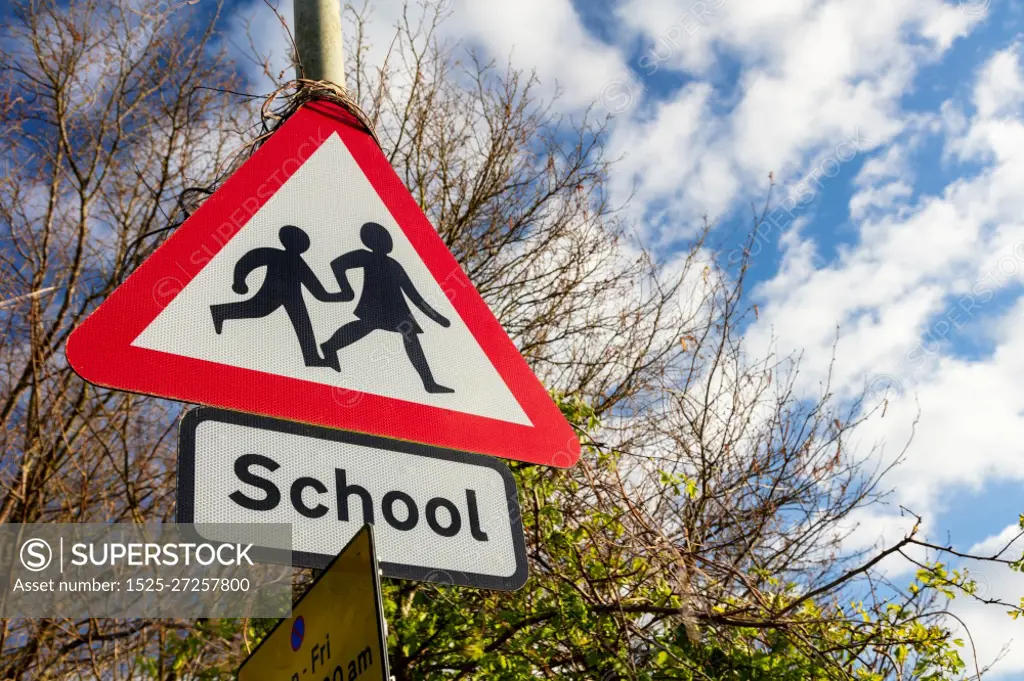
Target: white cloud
<point>542,35</point>
<point>1000,87</point>
<point>919,277</point>
<point>812,75</point>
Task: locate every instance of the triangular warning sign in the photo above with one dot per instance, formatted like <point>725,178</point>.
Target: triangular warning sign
<point>311,287</point>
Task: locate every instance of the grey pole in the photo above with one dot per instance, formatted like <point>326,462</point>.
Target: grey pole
<point>318,39</point>
<point>321,51</point>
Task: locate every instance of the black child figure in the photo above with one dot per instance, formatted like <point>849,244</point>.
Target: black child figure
<point>382,303</point>
<point>282,286</point>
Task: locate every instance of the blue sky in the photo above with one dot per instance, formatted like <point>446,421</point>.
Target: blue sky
<point>901,122</point>
<point>893,129</point>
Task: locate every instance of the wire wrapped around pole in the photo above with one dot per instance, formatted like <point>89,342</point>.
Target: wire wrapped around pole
<point>305,91</point>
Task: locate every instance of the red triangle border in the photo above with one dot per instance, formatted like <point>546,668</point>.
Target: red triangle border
<point>101,350</point>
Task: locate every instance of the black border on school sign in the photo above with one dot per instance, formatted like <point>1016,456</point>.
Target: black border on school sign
<point>382,635</point>
<point>185,512</point>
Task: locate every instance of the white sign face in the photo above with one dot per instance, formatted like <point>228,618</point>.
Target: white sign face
<point>438,515</point>
<point>271,300</point>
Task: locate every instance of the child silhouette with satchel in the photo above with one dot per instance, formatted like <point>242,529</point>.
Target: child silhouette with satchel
<point>287,273</point>
<point>382,305</point>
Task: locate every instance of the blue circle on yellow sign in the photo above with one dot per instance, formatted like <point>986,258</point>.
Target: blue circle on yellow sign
<point>298,633</point>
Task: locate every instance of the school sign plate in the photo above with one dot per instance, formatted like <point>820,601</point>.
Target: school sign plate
<point>440,515</point>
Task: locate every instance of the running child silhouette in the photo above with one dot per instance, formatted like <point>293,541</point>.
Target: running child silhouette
<point>287,273</point>
<point>382,305</point>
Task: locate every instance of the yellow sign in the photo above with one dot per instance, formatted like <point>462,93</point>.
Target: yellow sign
<point>336,631</point>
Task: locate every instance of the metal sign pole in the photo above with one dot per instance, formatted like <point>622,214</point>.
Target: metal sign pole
<point>318,40</point>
